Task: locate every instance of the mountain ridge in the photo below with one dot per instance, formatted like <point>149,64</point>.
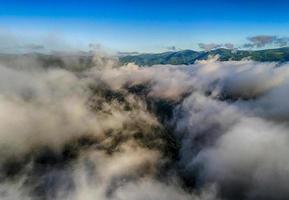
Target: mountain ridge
<point>84,60</point>
<point>186,57</point>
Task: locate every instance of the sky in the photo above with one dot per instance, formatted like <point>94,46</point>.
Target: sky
<point>143,25</point>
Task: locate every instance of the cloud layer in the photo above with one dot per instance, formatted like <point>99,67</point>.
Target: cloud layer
<point>259,41</point>
<point>212,130</point>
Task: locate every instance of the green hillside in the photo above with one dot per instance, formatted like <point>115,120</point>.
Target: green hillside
<point>190,56</point>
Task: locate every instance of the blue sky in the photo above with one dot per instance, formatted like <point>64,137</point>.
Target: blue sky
<point>143,25</point>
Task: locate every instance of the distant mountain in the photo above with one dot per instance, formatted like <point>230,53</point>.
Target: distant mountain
<point>71,61</point>
<point>83,60</point>
<point>189,56</point>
